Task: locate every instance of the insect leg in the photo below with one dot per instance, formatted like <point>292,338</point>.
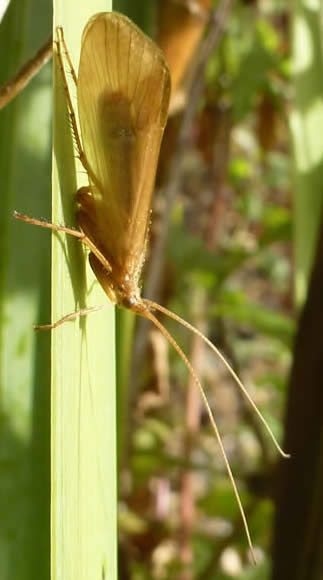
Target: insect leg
<point>60,32</point>
<point>49,225</point>
<point>71,316</point>
<point>60,41</point>
<point>76,233</point>
<point>67,92</point>
<point>100,259</point>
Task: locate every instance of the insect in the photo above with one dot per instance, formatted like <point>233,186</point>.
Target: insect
<point>123,89</point>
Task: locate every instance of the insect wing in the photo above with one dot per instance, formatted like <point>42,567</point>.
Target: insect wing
<point>123,95</point>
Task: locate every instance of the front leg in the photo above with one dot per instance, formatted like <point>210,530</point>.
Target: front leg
<point>104,264</point>
<point>44,224</point>
<point>85,199</point>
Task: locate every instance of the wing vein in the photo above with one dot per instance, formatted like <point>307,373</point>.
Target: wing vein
<point>118,55</point>
<point>106,46</point>
<point>139,74</point>
<point>128,63</point>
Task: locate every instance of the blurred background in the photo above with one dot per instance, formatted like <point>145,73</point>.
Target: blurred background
<point>237,250</point>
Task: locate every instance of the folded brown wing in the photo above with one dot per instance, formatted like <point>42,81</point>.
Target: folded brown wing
<point>123,95</point>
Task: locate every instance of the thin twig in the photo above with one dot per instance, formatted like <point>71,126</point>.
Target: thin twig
<point>14,86</point>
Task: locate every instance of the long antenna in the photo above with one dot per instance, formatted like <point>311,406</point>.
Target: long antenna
<point>183,322</point>
<point>193,374</point>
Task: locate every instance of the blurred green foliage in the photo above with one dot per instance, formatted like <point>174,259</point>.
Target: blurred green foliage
<point>247,281</point>
<point>25,151</point>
